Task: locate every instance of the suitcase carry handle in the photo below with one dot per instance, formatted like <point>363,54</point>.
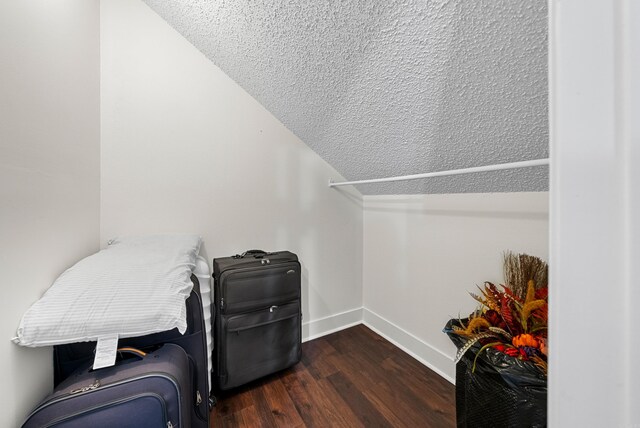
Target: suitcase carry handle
<point>127,350</point>
<point>255,253</point>
<point>135,351</point>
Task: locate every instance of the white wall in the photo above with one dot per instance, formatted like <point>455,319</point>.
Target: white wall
<point>424,253</point>
<point>185,149</point>
<point>594,336</point>
<point>49,171</point>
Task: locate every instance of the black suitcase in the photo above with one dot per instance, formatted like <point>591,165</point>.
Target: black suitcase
<point>67,358</point>
<point>258,318</point>
<point>150,391</point>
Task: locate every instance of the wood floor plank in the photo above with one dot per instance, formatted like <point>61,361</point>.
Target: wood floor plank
<point>304,393</point>
<point>390,397</point>
<point>359,404</point>
<point>352,378</point>
<point>282,407</point>
<point>336,409</point>
<point>426,413</point>
<point>262,407</point>
<point>229,420</point>
<point>438,401</point>
<point>315,358</point>
<point>250,417</point>
<point>352,367</point>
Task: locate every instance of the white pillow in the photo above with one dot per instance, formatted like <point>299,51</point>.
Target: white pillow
<point>135,286</point>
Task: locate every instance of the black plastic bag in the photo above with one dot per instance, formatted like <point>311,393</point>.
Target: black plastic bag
<point>502,391</point>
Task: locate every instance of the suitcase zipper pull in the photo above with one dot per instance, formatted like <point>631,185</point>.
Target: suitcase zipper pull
<point>198,398</point>
<point>91,387</point>
<point>273,308</point>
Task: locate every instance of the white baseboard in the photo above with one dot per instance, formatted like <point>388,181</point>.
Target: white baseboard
<point>327,325</point>
<point>428,355</point>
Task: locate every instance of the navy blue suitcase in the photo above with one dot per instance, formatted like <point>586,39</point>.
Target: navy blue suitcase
<point>67,358</point>
<point>150,391</point>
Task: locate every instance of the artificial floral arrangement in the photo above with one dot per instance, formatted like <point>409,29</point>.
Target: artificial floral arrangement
<point>512,318</point>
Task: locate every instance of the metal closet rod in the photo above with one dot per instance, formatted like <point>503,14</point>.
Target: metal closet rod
<point>498,167</point>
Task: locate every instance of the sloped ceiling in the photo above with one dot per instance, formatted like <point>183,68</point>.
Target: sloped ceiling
<point>394,87</point>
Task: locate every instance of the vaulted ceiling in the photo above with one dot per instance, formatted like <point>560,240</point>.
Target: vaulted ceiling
<point>394,87</point>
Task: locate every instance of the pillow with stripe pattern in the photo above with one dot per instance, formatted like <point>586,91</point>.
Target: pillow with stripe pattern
<point>134,287</point>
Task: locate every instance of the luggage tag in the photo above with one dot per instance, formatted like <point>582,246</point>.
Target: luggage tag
<point>106,350</point>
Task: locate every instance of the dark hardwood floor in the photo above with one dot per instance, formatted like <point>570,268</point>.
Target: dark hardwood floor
<point>353,378</point>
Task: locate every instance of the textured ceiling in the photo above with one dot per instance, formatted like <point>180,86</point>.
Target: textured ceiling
<point>394,87</point>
